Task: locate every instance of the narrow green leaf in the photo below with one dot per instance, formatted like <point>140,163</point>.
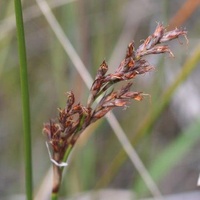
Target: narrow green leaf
<point>25,98</point>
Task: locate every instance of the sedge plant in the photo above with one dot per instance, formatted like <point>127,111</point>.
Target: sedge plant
<point>63,132</point>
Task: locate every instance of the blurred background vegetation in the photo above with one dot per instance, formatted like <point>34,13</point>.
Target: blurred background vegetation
<point>164,129</point>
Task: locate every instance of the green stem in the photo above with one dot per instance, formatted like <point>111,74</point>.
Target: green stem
<point>54,196</point>
<point>106,87</point>
<point>68,151</point>
<point>25,98</point>
<point>57,175</point>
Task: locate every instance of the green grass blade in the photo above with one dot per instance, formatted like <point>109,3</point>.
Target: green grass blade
<point>25,98</point>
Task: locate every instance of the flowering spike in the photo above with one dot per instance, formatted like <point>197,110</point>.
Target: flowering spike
<point>70,101</point>
<point>74,118</point>
<point>102,69</point>
<point>171,35</point>
<point>130,50</point>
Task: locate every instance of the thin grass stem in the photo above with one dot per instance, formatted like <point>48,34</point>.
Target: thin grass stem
<point>25,98</point>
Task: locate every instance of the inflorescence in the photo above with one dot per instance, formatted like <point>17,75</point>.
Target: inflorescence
<point>74,118</point>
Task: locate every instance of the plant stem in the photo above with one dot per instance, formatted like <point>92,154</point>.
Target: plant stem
<point>67,153</point>
<point>57,175</point>
<point>25,98</point>
<point>54,196</point>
